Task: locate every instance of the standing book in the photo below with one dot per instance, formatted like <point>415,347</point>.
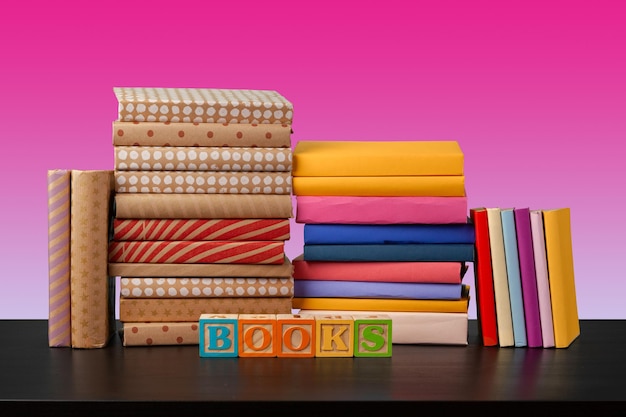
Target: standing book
<point>486,307</point>
<point>559,254</point>
<point>528,276</point>
<point>513,276</point>
<point>500,281</point>
<point>543,284</point>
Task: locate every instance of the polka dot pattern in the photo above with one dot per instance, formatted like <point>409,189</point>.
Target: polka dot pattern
<point>169,333</point>
<point>202,182</point>
<point>206,287</point>
<point>202,105</point>
<point>240,159</point>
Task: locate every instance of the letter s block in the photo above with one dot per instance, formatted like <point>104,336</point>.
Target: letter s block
<point>372,335</point>
<point>257,335</point>
<point>296,335</point>
<point>335,335</point>
<point>218,335</point>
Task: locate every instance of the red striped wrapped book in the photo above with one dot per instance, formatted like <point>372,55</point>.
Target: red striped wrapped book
<point>185,252</point>
<point>200,229</point>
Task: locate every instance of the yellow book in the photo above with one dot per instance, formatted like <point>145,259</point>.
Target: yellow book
<point>399,186</point>
<point>376,158</point>
<point>384,304</point>
<point>559,254</point>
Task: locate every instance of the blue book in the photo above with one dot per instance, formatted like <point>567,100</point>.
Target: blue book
<point>338,234</point>
<point>429,252</point>
<point>514,277</point>
<point>372,289</point>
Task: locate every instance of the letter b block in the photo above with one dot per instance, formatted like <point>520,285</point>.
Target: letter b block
<point>296,335</point>
<point>218,335</point>
<point>335,336</point>
<point>372,335</point>
<point>257,335</point>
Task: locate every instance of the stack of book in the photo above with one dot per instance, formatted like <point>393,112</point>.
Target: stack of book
<point>524,274</point>
<point>202,208</point>
<point>386,231</point>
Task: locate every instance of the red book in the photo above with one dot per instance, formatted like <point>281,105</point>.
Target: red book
<point>485,300</point>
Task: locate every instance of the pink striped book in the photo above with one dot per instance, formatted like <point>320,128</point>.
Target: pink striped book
<point>59,318</point>
<point>200,229</point>
<point>381,210</point>
<point>185,252</point>
<point>543,284</point>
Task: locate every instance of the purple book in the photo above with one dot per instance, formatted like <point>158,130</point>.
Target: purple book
<point>528,277</point>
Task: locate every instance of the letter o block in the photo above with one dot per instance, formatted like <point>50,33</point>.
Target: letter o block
<point>257,335</point>
<point>296,335</point>
<point>335,335</point>
<point>372,335</point>
<point>218,335</point>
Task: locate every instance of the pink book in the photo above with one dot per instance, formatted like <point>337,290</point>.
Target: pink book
<point>381,210</point>
<point>543,285</point>
<point>528,278</point>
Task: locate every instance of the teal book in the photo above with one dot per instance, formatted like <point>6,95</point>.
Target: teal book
<point>514,277</point>
<point>428,252</point>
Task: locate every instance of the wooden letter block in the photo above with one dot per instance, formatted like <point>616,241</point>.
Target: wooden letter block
<point>372,335</point>
<point>335,335</point>
<point>296,335</point>
<point>257,335</point>
<point>218,335</point>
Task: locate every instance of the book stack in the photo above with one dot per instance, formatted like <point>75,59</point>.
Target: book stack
<point>386,231</point>
<point>524,271</point>
<point>202,208</point>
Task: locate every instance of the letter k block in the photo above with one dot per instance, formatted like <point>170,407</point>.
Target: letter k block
<point>335,336</point>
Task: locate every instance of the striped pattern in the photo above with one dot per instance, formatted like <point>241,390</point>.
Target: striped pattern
<point>200,229</point>
<point>59,334</point>
<point>177,252</point>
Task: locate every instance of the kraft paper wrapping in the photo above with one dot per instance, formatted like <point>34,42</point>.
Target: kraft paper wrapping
<point>186,252</point>
<point>201,134</point>
<point>372,158</point>
<point>92,315</point>
<point>148,158</point>
<point>382,304</point>
<point>202,105</point>
<point>389,186</point>
<point>59,329</point>
<point>190,309</point>
<point>381,210</point>
<point>205,287</point>
<point>207,206</point>
<point>419,328</point>
<point>371,289</point>
<point>284,270</point>
<point>201,229</point>
<point>435,272</point>
<point>160,334</point>
<point>209,182</point>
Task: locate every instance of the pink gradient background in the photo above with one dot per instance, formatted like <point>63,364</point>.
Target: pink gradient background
<point>535,93</point>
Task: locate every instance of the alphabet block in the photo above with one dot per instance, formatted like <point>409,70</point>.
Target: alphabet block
<point>296,335</point>
<point>372,335</point>
<point>218,335</point>
<point>335,336</point>
<point>257,335</point>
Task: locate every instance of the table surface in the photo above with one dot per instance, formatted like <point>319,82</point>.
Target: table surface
<point>591,369</point>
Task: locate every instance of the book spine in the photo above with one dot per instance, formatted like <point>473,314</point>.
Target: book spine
<point>363,289</point>
<point>184,287</point>
<point>201,270</point>
<point>160,334</point>
<point>203,182</point>
<point>513,275</point>
<point>448,252</point>
<point>408,186</point>
<point>59,325</point>
<point>201,134</point>
<point>485,302</point>
<point>543,283</point>
<point>180,158</point>
<point>500,280</point>
<point>185,252</point>
<point>200,229</point>
<point>209,206</point>
<point>184,309</point>
<point>90,286</point>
